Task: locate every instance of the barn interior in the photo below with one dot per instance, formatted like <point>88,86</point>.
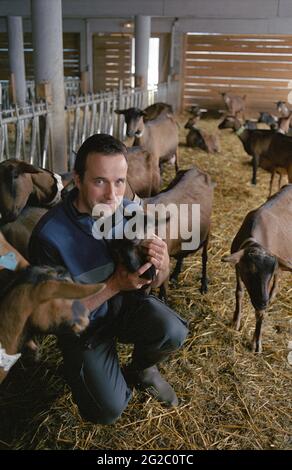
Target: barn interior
<point>66,66</point>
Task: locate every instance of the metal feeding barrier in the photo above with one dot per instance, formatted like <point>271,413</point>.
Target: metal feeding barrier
<point>26,133</point>
<point>90,114</point>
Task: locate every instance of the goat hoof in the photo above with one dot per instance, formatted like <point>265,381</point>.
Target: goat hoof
<point>204,289</point>
<point>174,281</point>
<point>256,348</point>
<point>33,356</point>
<point>236,326</point>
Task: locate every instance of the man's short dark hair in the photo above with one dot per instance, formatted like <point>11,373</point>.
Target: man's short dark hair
<point>104,144</point>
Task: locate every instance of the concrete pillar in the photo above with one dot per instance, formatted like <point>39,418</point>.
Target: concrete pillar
<point>84,75</point>
<point>16,57</point>
<point>48,67</point>
<point>142,38</point>
<point>89,54</point>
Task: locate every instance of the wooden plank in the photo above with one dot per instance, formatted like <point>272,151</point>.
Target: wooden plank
<point>246,69</point>
<point>240,45</point>
<point>112,61</point>
<point>257,51</point>
<point>240,58</point>
<point>250,94</point>
<point>240,82</point>
<point>253,76</point>
<point>215,63</point>
<point>241,38</point>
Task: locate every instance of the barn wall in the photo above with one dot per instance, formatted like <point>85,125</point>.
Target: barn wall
<point>88,17</point>
<point>71,47</point>
<point>259,66</point>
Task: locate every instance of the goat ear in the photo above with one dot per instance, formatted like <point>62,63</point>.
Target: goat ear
<point>65,290</point>
<point>284,264</point>
<point>120,111</point>
<point>234,258</point>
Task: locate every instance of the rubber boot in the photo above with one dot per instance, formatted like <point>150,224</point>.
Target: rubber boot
<point>151,381</point>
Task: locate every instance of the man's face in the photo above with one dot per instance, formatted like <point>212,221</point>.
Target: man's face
<point>104,182</point>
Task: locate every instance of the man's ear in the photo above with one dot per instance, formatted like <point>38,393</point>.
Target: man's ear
<point>234,258</point>
<point>77,180</point>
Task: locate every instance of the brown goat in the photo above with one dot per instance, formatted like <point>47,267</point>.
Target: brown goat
<point>261,247</point>
<point>157,109</point>
<point>270,150</point>
<point>284,124</point>
<point>282,108</point>
<point>38,299</point>
<point>18,232</point>
<point>143,174</point>
<point>234,104</point>
<point>159,136</point>
<point>22,184</point>
<point>190,187</point>
<point>199,138</point>
<point>197,111</point>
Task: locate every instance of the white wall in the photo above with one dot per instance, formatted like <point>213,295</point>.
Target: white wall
<point>219,16</point>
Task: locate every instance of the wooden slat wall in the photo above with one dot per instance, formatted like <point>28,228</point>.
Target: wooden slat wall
<point>257,66</point>
<point>71,54</point>
<point>71,48</point>
<point>4,61</point>
<point>111,61</point>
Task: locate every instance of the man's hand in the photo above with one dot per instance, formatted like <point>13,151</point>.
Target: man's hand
<point>157,254</point>
<point>123,280</point>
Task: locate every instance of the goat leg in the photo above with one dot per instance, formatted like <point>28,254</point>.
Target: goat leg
<point>204,279</point>
<point>254,169</point>
<point>176,162</point>
<point>32,350</point>
<point>238,295</point>
<point>177,270</point>
<point>271,183</point>
<point>274,287</point>
<point>257,337</point>
<point>163,291</point>
<point>280,181</point>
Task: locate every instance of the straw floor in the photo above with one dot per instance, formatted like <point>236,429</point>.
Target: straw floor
<point>229,397</point>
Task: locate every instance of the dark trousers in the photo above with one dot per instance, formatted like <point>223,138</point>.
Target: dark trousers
<point>91,363</point>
